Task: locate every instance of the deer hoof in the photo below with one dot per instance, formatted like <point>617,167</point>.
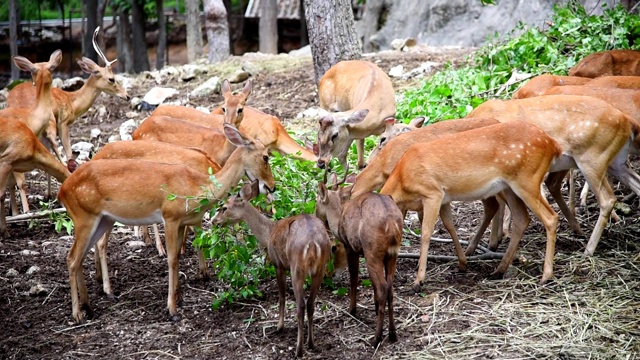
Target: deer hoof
<point>87,308</point>
<point>112,298</point>
<point>416,287</point>
<point>393,337</point>
<point>175,318</point>
<point>72,165</point>
<point>496,276</point>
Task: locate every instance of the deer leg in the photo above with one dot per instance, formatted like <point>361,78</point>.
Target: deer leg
<point>172,234</point>
<point>12,182</point>
<point>431,208</point>
<point>606,199</point>
<point>374,261</point>
<point>360,150</point>
<point>353,264</point>
<point>102,270</point>
<point>447,221</point>
<point>5,172</point>
<point>21,182</point>
<point>316,281</point>
<point>390,271</point>
<point>521,219</point>
<point>280,277</point>
<point>297,281</point>
<point>491,207</point>
<point>554,184</point>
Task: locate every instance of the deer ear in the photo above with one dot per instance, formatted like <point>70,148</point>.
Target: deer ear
<point>345,193</point>
<point>325,122</point>
<point>333,179</point>
<point>245,191</point>
<point>24,64</point>
<point>389,121</point>
<point>322,192</point>
<point>417,122</point>
<point>55,59</point>
<point>235,136</point>
<point>225,87</point>
<point>246,91</point>
<point>87,65</point>
<point>255,188</point>
<point>357,116</point>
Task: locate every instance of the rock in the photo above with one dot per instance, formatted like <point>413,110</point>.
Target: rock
<point>12,273</point>
<point>95,133</point>
<point>29,253</point>
<point>136,244</point>
<point>72,84</point>
<point>83,149</point>
<point>135,102</point>
<point>203,109</point>
<point>238,76</point>
<point>207,88</point>
<point>126,129</point>
<point>168,72</point>
<point>424,68</point>
<point>303,51</point>
<point>396,71</point>
<point>32,243</point>
<point>102,112</point>
<point>114,138</point>
<point>131,114</point>
<point>157,95</point>
<point>402,44</point>
<point>251,68</point>
<point>38,290</point>
<point>57,83</point>
<point>33,269</point>
<point>312,113</point>
<point>189,72</point>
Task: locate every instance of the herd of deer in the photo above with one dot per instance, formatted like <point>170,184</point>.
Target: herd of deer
<point>500,154</point>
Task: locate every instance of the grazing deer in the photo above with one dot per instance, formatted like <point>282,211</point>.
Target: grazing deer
<point>541,83</point>
<point>360,97</point>
<point>68,106</point>
<point>134,192</point>
<point>36,116</point>
<point>20,151</point>
<point>512,158</point>
<point>392,130</point>
<point>158,152</point>
<point>371,225</point>
<point>612,62</point>
<point>594,136</point>
<point>298,243</point>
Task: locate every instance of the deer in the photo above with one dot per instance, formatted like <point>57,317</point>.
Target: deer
<point>612,62</point>
<point>150,151</point>
<point>134,192</point>
<point>359,96</point>
<point>392,130</point>
<point>267,128</point>
<point>509,158</point>
<point>541,83</point>
<point>35,117</point>
<point>619,82</point>
<point>368,225</point>
<point>70,105</point>
<point>20,151</point>
<point>298,243</point>
<point>594,136</point>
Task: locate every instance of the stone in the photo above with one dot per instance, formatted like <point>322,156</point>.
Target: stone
<point>126,129</point>
<point>29,253</point>
<point>95,133</point>
<point>38,290</point>
<point>396,71</point>
<point>136,244</point>
<point>157,95</point>
<point>238,77</point>
<point>207,88</point>
<point>12,273</point>
<point>33,269</point>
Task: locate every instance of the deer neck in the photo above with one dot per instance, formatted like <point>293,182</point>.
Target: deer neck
<point>333,213</point>
<point>259,224</point>
<point>229,175</point>
<point>83,98</point>
<point>41,114</point>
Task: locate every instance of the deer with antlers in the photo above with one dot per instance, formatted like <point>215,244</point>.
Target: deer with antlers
<point>134,192</point>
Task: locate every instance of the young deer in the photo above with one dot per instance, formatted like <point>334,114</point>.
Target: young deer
<point>135,192</point>
<point>512,158</point>
<point>20,151</point>
<point>68,106</point>
<point>392,130</point>
<point>612,62</point>
<point>594,136</point>
<point>371,225</point>
<point>298,243</point>
<point>360,96</point>
<point>150,151</point>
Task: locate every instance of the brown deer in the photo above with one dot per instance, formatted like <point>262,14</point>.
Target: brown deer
<point>593,135</point>
<point>298,243</point>
<point>511,158</point>
<point>619,82</point>
<point>392,130</point>
<point>135,192</point>
<point>20,151</point>
<point>158,152</point>
<point>612,62</point>
<point>360,97</point>
<point>370,225</point>
<point>541,83</point>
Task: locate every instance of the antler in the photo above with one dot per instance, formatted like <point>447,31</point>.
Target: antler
<point>97,48</point>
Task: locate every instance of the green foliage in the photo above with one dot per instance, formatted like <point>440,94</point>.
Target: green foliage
<point>60,220</point>
<point>572,34</point>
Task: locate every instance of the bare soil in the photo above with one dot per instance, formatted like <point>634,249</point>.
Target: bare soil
<point>591,309</point>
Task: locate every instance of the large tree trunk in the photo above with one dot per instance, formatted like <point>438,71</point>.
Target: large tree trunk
<point>92,24</point>
<point>123,43</point>
<point>13,37</point>
<point>268,30</point>
<point>371,23</point>
<point>332,33</point>
<point>138,18</point>
<point>194,30</point>
<point>162,35</point>
<point>304,36</point>
<point>217,27</point>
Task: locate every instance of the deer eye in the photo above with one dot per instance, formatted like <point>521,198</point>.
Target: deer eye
<point>266,158</point>
<point>240,111</point>
<point>383,140</point>
<point>224,208</point>
<point>224,109</point>
<point>112,80</point>
<point>334,137</point>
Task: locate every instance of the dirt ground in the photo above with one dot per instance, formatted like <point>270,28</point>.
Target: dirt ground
<point>590,310</point>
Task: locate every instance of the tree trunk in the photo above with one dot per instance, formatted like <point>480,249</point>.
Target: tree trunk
<point>13,37</point>
<point>138,18</point>
<point>123,46</point>
<point>371,23</point>
<point>92,24</point>
<point>332,33</point>
<point>304,36</point>
<point>194,30</point>
<point>268,30</point>
<point>162,35</point>
<point>217,27</point>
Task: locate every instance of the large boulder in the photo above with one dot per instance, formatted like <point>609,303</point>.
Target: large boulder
<point>465,23</point>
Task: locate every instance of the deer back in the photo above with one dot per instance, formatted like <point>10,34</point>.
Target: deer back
<point>541,83</point>
<point>612,62</point>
